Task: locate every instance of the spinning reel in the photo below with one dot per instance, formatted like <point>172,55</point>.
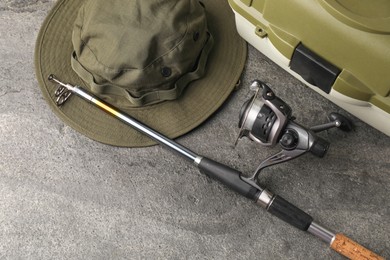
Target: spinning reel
<point>267,120</point>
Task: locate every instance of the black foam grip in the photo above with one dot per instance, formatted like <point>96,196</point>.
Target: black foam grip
<point>287,212</point>
<point>227,176</point>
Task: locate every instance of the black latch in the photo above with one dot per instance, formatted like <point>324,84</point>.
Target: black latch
<point>314,69</point>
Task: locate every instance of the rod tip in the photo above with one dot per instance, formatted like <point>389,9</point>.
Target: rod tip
<point>51,77</point>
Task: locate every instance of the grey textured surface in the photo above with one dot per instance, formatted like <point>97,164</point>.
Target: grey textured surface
<point>63,196</point>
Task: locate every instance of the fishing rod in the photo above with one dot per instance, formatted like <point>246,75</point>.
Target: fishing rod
<point>230,177</point>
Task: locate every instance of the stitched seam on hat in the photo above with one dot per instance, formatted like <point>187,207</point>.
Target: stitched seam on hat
<point>146,67</point>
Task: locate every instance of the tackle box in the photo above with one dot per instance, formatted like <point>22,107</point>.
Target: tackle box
<point>339,48</point>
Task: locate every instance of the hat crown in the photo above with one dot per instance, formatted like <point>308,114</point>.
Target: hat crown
<point>135,47</point>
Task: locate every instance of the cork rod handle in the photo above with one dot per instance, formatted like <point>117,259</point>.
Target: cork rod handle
<point>352,250</point>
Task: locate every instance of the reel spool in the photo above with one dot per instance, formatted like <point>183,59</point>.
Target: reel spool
<point>267,120</point>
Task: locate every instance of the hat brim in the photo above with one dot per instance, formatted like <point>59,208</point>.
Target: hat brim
<point>172,118</point>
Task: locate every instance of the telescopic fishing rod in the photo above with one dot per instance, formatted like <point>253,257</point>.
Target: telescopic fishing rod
<point>232,178</point>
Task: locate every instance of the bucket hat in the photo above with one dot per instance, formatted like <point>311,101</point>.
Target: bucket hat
<point>168,63</point>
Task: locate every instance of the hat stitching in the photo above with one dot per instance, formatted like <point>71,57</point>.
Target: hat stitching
<point>185,35</point>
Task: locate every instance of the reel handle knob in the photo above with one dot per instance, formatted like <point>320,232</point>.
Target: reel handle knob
<point>345,123</point>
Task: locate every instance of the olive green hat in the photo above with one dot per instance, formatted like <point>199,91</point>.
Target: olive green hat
<point>168,63</point>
